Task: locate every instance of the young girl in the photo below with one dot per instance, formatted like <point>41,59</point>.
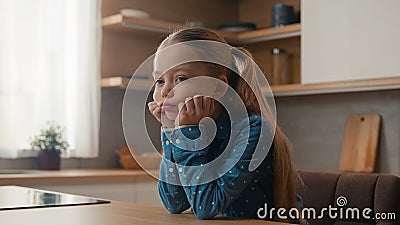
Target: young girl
<point>239,192</point>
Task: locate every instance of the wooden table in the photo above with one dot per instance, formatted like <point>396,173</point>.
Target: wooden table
<point>116,213</point>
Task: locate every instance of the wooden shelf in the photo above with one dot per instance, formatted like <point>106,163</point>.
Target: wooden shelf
<point>267,34</point>
<point>284,90</point>
<point>122,82</point>
<point>337,87</point>
<point>120,22</point>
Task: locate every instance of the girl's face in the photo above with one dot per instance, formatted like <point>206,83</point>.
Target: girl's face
<point>174,86</point>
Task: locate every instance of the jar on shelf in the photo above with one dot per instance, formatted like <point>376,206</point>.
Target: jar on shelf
<point>282,14</point>
<point>280,67</point>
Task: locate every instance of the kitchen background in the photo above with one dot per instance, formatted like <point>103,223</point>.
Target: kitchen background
<point>314,123</point>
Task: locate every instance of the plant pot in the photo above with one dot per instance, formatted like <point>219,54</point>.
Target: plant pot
<point>48,160</point>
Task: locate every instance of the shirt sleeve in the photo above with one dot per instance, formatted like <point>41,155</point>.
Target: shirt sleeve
<point>172,196</point>
<point>212,198</point>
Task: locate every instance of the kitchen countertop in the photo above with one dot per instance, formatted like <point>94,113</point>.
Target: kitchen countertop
<point>115,213</point>
<point>24,177</point>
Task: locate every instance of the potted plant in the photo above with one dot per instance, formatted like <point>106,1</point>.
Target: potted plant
<point>50,143</point>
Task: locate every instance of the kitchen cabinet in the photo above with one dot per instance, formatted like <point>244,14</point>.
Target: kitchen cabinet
<point>135,186</point>
<point>260,42</point>
<point>141,192</point>
<point>349,40</point>
<point>123,23</point>
<point>146,193</point>
<point>343,67</point>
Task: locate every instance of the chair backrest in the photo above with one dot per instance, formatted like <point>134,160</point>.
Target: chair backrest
<point>349,193</point>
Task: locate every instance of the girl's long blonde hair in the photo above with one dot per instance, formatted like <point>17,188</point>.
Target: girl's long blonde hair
<point>285,176</point>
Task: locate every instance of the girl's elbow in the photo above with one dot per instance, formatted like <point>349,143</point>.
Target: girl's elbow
<point>203,214</point>
<point>175,210</point>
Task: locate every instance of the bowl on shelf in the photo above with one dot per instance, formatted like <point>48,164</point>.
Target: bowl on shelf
<point>236,27</point>
<point>134,13</point>
<point>140,161</point>
<point>195,24</point>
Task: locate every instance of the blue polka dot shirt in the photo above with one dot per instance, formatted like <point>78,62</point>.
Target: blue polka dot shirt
<point>237,192</point>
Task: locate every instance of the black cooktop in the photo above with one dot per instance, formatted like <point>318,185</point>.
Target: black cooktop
<point>15,197</point>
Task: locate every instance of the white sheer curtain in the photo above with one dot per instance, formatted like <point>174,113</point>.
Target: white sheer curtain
<point>50,71</point>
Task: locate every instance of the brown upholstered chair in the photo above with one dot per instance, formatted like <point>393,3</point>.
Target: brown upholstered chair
<point>379,192</point>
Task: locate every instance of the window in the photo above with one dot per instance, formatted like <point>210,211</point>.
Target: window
<point>50,71</point>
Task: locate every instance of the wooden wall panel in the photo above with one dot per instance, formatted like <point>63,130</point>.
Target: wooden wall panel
<point>210,12</point>
<point>123,52</point>
<point>263,56</point>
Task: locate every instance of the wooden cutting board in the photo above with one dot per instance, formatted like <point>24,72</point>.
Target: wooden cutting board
<point>360,143</point>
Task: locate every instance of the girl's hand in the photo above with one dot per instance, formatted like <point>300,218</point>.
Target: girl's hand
<point>194,109</point>
<point>155,109</point>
